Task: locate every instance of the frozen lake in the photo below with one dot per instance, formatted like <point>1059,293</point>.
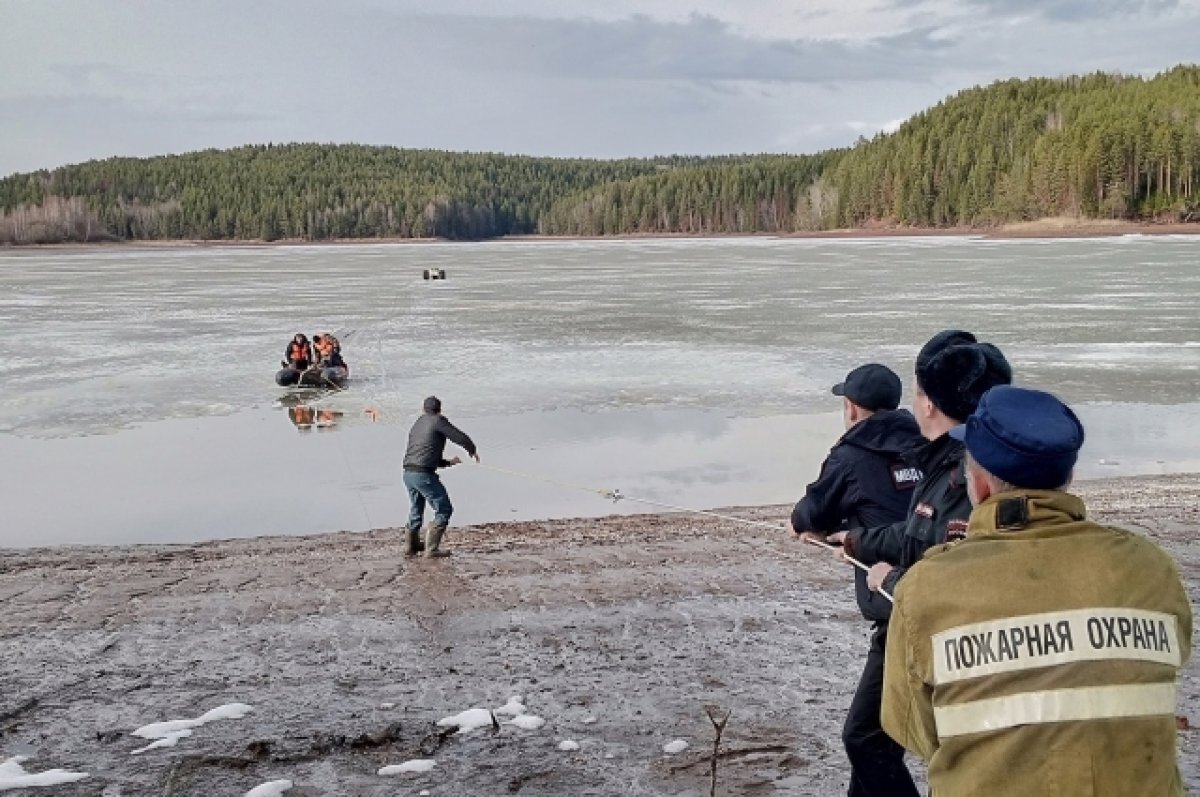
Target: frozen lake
<point>137,401</point>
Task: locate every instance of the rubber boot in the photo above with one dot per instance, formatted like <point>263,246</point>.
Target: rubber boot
<point>433,538</point>
<point>414,545</point>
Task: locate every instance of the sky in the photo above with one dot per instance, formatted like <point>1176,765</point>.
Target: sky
<point>602,78</point>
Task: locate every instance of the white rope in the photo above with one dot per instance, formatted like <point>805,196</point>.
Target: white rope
<point>617,495</point>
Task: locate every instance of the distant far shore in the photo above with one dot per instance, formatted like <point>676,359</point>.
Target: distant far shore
<point>1064,227</point>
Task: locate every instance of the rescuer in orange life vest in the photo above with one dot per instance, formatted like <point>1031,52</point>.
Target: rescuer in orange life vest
<point>296,360</point>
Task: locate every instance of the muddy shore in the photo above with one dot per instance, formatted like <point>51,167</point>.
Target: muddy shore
<point>617,631</point>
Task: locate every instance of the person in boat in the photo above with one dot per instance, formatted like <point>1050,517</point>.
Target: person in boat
<point>330,368</point>
<point>297,359</point>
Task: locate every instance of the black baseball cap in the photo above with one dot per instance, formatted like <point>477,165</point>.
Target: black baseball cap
<point>871,386</point>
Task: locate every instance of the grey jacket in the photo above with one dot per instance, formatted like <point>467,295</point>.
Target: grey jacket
<point>427,442</point>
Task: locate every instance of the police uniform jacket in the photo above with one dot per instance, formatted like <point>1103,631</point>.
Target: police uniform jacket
<point>939,512</point>
<point>865,481</point>
<point>1039,656</point>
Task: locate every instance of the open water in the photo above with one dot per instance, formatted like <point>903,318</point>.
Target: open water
<point>137,402</point>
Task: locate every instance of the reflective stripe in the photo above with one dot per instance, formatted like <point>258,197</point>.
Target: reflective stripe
<point>1059,705</point>
<point>1012,644</point>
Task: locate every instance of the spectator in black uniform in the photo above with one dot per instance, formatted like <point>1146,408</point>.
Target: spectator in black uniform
<point>866,481</point>
<point>953,371</point>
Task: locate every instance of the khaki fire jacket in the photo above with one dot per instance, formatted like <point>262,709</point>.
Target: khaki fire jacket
<point>1039,656</point>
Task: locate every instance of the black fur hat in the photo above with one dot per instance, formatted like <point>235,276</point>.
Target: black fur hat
<point>955,370</point>
<point>947,337</point>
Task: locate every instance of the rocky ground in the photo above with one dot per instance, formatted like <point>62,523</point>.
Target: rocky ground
<point>619,632</point>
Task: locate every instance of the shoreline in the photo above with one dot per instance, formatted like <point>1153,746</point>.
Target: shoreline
<point>1042,228</point>
<point>1103,485</point>
<point>615,632</point>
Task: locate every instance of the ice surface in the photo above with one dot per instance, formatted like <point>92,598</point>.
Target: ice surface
<point>677,746</point>
<point>568,745</point>
<point>14,776</point>
<point>273,788</point>
<point>705,341</point>
<point>415,765</point>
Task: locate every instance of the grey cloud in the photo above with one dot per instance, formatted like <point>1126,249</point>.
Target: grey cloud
<point>1061,10</point>
<point>1070,10</point>
<point>640,48</point>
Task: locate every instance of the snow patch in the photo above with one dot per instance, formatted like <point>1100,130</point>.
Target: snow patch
<point>415,765</point>
<point>469,720</point>
<point>568,745</point>
<point>169,733</point>
<point>527,721</point>
<point>273,788</point>
<point>677,746</point>
<point>513,707</point>
<point>169,739</point>
<point>14,776</point>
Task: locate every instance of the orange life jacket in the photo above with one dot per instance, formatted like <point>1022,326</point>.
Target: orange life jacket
<point>299,351</point>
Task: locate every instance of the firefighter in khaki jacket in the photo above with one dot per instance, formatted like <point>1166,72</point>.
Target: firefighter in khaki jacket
<point>1039,654</point>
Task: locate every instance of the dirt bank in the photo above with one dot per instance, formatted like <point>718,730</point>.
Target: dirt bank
<point>617,631</point>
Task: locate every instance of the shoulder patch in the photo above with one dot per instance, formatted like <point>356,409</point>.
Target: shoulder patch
<point>1012,514</point>
<point>905,477</point>
<point>924,509</point>
<point>956,529</point>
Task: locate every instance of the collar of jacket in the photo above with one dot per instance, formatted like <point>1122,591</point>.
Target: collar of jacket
<point>885,430</point>
<point>1025,509</point>
<point>931,454</point>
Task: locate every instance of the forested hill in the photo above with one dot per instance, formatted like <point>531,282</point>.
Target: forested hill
<point>1098,146</point>
<point>303,191</point>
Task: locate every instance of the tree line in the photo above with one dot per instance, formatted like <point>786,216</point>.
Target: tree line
<point>1095,146</point>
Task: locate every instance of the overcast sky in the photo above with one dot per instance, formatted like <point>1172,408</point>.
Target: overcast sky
<point>604,78</point>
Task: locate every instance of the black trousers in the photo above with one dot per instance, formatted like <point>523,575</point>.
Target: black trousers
<point>876,761</point>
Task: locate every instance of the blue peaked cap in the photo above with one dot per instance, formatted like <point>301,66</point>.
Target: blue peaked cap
<point>1026,437</point>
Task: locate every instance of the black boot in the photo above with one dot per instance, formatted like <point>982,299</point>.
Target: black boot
<point>414,545</point>
<point>433,536</point>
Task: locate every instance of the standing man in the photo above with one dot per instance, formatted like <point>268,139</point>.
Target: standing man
<point>424,455</point>
<point>865,480</point>
<point>1039,655</point>
<point>953,371</point>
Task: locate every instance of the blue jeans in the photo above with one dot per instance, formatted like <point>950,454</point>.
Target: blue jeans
<point>424,487</point>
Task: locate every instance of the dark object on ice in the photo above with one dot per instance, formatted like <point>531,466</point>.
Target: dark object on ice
<point>335,377</point>
<point>434,274</point>
<point>328,370</point>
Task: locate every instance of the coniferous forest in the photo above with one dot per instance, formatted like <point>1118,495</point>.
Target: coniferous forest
<point>1099,146</point>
